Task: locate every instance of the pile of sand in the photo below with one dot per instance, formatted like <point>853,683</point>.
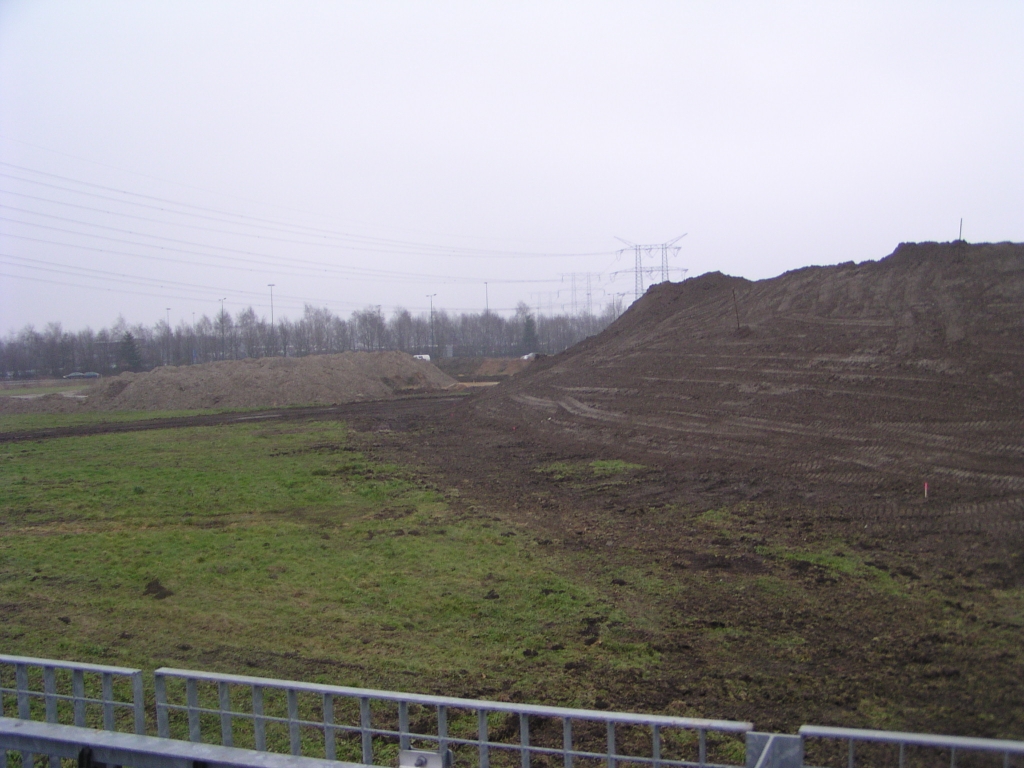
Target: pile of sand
<point>253,383</point>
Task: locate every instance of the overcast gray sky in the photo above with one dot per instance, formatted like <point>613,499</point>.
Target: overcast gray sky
<point>171,154</point>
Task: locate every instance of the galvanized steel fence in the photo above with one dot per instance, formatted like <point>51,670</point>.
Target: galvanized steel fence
<point>285,719</point>
<point>370,726</point>
<point>83,695</point>
<point>926,746</point>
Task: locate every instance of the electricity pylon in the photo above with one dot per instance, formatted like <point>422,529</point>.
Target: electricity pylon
<point>639,250</point>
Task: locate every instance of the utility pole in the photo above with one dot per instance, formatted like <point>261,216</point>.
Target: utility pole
<point>168,336</point>
<point>431,297</point>
<point>487,300</point>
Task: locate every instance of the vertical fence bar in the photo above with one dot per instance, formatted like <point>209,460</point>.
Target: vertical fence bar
<point>702,749</point>
<point>656,745</point>
<point>524,740</point>
<point>952,758</point>
<point>330,750</point>
<point>903,754</point>
<point>567,742</point>
<point>21,686</point>
<point>108,701</point>
<point>50,701</point>
<point>78,696</point>
<point>364,725</point>
<point>849,758</point>
<point>224,702</point>
<point>24,706</point>
<point>163,723</point>
<point>404,741</point>
<point>611,744</point>
<point>294,737</point>
<point>192,704</point>
<point>442,732</point>
<point>483,750</point>
<point>259,725</point>
<point>139,703</point>
<point>50,693</point>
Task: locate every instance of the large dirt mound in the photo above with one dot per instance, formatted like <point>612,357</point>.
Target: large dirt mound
<point>256,383</point>
<point>854,383</point>
<point>271,382</point>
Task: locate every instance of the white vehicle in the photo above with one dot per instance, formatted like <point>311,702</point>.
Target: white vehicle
<point>422,357</point>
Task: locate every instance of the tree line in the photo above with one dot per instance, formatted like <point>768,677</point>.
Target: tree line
<point>54,351</point>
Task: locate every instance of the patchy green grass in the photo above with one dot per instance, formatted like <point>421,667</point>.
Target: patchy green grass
<point>282,550</point>
<point>614,467</point>
<point>583,470</point>
<point>47,388</point>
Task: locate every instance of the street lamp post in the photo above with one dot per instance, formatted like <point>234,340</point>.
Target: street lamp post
<point>222,327</point>
<point>271,286</point>
<point>168,336</point>
<point>431,297</point>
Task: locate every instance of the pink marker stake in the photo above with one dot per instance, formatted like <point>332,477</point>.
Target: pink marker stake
<point>926,490</point>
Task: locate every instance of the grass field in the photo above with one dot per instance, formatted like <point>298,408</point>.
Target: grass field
<point>279,550</point>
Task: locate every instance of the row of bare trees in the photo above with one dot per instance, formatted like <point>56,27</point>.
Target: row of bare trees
<point>55,351</point>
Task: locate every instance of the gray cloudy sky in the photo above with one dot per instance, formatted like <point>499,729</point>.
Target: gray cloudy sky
<point>171,154</point>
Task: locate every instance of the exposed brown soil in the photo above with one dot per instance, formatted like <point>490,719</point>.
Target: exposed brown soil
<point>252,383</point>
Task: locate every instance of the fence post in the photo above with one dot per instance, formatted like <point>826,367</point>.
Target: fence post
<point>139,702</point>
<point>163,724</point>
<point>481,735</point>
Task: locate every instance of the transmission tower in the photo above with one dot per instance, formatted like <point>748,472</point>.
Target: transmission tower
<point>638,250</point>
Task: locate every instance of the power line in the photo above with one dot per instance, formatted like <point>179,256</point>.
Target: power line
<point>271,224</point>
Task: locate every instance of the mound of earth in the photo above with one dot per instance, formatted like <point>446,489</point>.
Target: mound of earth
<point>255,383</point>
<point>52,403</point>
<point>854,383</point>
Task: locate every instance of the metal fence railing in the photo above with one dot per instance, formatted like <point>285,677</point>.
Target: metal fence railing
<point>265,723</point>
<point>370,726</point>
<point>84,695</point>
<point>954,746</point>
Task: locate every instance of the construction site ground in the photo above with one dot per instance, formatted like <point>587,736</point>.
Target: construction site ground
<point>743,466</point>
